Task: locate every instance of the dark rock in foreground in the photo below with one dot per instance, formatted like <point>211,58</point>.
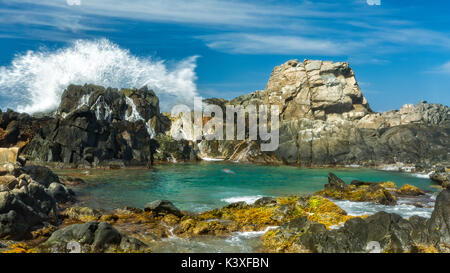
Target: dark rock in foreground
<point>92,237</point>
<point>381,232</point>
<point>439,224</point>
<point>28,198</point>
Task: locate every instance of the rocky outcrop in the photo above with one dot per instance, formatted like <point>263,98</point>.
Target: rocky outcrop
<point>28,199</point>
<point>95,126</point>
<point>326,120</point>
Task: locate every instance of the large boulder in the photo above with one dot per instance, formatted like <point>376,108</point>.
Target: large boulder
<point>92,237</point>
<point>442,177</point>
<point>41,174</point>
<point>335,182</point>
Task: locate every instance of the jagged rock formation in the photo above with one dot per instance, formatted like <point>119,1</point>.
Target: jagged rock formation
<point>315,90</point>
<point>95,126</point>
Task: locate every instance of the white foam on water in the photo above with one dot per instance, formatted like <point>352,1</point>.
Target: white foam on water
<point>35,80</point>
<point>247,199</point>
<point>353,166</point>
<point>254,233</point>
<point>422,175</point>
<point>212,159</point>
<point>368,208</point>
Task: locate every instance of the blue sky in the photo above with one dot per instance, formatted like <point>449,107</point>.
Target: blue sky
<point>400,50</point>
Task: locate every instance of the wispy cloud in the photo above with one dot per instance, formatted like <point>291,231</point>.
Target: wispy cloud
<point>272,44</point>
<point>246,27</point>
<point>441,69</point>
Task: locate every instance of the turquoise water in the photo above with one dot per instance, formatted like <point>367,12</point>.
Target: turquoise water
<point>203,186</point>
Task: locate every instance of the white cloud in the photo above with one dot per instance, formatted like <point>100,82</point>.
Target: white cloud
<point>215,12</point>
<point>272,44</point>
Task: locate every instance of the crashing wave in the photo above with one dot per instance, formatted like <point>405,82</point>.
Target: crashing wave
<point>34,81</point>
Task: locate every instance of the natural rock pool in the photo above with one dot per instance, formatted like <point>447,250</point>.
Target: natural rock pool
<point>204,186</point>
<point>208,185</point>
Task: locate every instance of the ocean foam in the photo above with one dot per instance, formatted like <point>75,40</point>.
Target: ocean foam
<point>422,175</point>
<point>367,208</point>
<point>247,199</point>
<point>254,233</point>
<point>35,80</point>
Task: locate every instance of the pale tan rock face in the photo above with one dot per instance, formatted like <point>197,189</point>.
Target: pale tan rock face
<point>8,155</point>
<point>314,89</point>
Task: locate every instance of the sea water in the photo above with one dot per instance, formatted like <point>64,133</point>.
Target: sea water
<point>203,186</point>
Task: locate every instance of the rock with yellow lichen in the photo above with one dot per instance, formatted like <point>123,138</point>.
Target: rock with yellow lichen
<point>410,190</point>
<point>257,217</point>
<point>19,248</point>
<point>380,193</point>
<point>82,214</point>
